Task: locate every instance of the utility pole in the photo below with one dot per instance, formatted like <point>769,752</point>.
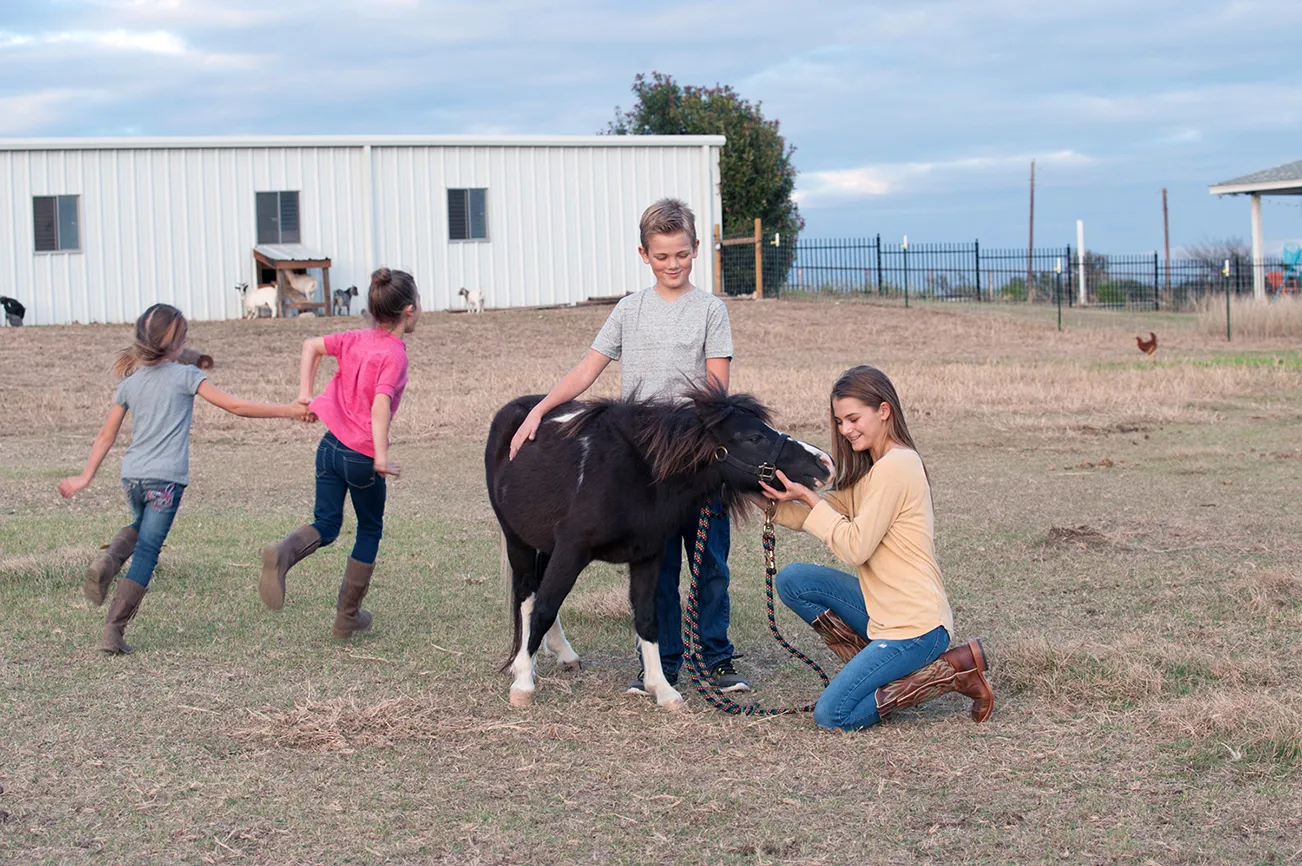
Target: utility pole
<point>1030,241</point>
<point>1166,241</point>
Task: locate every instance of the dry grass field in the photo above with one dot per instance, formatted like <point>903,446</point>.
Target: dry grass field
<point>1122,531</point>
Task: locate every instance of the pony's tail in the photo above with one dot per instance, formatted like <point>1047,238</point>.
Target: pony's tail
<point>508,589</point>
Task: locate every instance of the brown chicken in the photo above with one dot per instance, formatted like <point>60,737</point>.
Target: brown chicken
<point>1148,346</point>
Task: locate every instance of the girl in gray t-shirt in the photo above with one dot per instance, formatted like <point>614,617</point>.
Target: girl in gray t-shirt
<point>159,393</point>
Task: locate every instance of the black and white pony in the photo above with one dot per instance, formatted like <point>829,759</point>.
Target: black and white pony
<point>611,480</point>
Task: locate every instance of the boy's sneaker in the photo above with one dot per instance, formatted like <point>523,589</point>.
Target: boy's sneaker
<point>638,686</point>
<point>726,679</point>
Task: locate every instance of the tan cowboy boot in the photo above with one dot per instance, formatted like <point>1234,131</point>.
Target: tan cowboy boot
<point>126,601</point>
<point>107,563</point>
<point>277,559</point>
<point>349,616</point>
<point>959,669</point>
<point>839,636</point>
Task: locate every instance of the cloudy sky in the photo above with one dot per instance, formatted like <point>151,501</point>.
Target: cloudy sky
<point>915,117</point>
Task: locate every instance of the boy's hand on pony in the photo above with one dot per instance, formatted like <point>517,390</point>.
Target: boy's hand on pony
<point>793,493</point>
<point>525,434</point>
<point>70,486</point>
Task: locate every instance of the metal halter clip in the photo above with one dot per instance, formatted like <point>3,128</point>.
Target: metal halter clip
<point>721,453</point>
<point>768,472</point>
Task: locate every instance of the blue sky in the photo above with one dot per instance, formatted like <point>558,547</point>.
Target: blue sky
<point>915,117</point>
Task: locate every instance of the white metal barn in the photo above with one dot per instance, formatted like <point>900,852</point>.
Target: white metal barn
<point>96,230</point>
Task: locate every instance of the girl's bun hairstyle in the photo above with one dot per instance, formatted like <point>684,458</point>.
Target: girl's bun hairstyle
<point>391,292</point>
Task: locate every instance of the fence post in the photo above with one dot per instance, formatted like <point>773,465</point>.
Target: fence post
<point>880,288</point>
<point>759,261</point>
<point>1057,288</point>
<point>905,247</point>
<point>976,248</point>
<point>718,260</point>
<point>1071,269</point>
<point>1156,284</point>
<point>1226,272</point>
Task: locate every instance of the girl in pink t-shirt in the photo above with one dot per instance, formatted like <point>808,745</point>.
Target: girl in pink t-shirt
<point>353,457</point>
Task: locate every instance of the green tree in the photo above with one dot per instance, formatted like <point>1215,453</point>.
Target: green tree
<point>757,176</point>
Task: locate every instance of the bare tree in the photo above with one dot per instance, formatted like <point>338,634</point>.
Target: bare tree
<point>1212,253</point>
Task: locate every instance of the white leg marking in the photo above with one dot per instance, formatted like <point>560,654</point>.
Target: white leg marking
<point>654,678</point>
<point>555,644</point>
<point>523,665</point>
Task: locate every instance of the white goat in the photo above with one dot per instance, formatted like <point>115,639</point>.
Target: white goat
<point>263,296</point>
<point>474,299</point>
<point>304,284</point>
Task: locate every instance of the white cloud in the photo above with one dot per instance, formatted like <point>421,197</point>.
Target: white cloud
<point>31,112</point>
<point>817,188</point>
<point>159,43</point>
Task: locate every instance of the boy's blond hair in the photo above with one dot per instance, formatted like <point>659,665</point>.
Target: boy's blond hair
<point>669,216</point>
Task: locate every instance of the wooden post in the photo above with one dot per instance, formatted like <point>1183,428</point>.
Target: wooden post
<point>718,260</point>
<point>759,260</point>
<point>325,291</point>
<point>280,290</point>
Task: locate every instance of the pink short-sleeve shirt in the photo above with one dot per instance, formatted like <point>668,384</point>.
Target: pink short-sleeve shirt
<point>371,361</point>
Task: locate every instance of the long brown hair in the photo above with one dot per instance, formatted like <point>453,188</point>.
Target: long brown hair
<point>871,387</point>
<point>160,330</point>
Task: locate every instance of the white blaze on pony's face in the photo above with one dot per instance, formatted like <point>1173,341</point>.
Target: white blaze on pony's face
<point>753,445</point>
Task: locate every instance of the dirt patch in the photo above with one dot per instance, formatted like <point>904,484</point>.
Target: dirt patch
<point>609,603</point>
<point>340,725</point>
<point>1080,537</point>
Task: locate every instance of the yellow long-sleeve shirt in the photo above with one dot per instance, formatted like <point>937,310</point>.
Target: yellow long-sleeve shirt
<point>884,526</point>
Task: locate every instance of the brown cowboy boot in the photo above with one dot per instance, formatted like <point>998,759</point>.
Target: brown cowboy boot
<point>839,636</point>
<point>277,559</point>
<point>107,563</point>
<point>959,669</point>
<point>126,601</point>
<point>349,617</point>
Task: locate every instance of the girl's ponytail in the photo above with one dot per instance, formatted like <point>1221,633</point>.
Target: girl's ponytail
<point>160,331</point>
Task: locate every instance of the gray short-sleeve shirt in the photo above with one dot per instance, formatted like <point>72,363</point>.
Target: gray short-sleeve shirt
<point>161,402</point>
<point>662,345</point>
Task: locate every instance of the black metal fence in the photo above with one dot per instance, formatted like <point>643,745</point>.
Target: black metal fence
<point>970,272</point>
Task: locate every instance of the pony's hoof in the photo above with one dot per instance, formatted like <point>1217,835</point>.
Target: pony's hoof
<point>671,700</point>
<point>521,698</point>
<point>575,665</point>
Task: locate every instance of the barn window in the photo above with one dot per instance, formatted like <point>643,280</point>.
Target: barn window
<point>56,222</point>
<point>278,217</point>
<point>468,214</point>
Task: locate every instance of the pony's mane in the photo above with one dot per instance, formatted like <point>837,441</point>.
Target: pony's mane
<point>675,436</point>
<point>679,441</point>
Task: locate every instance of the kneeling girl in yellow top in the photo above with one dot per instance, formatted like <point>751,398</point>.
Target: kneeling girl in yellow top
<point>891,622</point>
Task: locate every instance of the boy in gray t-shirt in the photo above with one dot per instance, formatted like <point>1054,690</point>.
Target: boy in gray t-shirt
<point>667,338</point>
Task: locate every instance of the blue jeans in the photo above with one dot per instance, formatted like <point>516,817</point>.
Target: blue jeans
<point>340,472</point>
<point>153,508</point>
<point>712,593</point>
<point>850,702</point>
